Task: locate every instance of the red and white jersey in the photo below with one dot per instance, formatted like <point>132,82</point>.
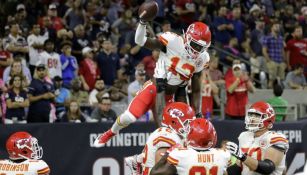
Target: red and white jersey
<point>27,167</point>
<point>189,161</point>
<point>178,64</point>
<point>53,63</point>
<point>162,137</point>
<point>256,147</point>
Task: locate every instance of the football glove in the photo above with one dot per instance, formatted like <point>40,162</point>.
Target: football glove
<point>160,69</point>
<point>234,149</point>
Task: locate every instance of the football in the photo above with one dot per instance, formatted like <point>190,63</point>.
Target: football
<point>148,10</point>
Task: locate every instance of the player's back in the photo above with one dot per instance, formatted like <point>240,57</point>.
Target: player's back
<point>162,137</point>
<point>189,161</point>
<point>27,167</point>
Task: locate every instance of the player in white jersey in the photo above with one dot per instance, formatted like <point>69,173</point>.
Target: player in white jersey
<point>260,151</point>
<point>24,154</point>
<point>51,59</point>
<point>175,125</point>
<point>180,58</point>
<point>198,157</point>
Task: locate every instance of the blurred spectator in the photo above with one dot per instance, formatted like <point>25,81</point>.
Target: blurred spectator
<point>124,25</point>
<point>41,96</point>
<point>223,27</point>
<point>137,84</point>
<point>74,15</point>
<point>209,89</point>
<point>108,62</point>
<point>303,21</point>
<point>76,92</point>
<point>238,25</point>
<point>16,101</point>
<point>103,111</point>
<point>97,19</point>
<point>150,63</point>
<point>99,88</point>
<point>186,11</point>
<point>55,20</point>
<point>79,41</point>
<point>273,51</point>
<point>46,26</point>
<point>165,26</point>
<point>89,70</point>
<point>51,59</point>
<point>63,36</point>
<point>5,59</point>
<point>204,16</point>
<point>73,113</point>
<point>15,43</point>
<point>62,94</point>
<point>295,79</point>
<point>254,15</point>
<point>256,37</point>
<point>237,86</point>
<point>114,9</point>
<point>17,68</point>
<point>21,19</point>
<point>69,64</point>
<point>288,19</point>
<point>36,45</point>
<point>123,80</point>
<point>232,48</point>
<point>215,74</point>
<point>296,49</point>
<point>279,104</point>
<point>116,91</point>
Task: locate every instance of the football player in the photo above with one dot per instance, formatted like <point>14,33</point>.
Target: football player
<point>175,126</point>
<point>179,59</point>
<point>260,151</point>
<point>24,154</point>
<point>198,157</point>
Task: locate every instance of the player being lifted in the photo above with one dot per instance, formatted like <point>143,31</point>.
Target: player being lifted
<point>24,154</point>
<point>199,157</point>
<point>175,127</point>
<point>180,58</point>
<point>260,151</point>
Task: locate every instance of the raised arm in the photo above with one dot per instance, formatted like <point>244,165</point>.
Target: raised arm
<point>142,40</point>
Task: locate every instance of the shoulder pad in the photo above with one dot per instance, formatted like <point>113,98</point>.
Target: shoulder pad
<point>279,141</point>
<point>43,168</point>
<point>169,37</point>
<point>176,155</point>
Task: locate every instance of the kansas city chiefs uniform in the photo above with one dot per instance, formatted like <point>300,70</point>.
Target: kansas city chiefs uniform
<point>256,147</point>
<point>162,137</point>
<point>27,167</point>
<point>178,64</point>
<point>189,161</point>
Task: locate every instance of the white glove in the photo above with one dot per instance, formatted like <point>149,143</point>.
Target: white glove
<point>160,69</point>
<point>234,149</point>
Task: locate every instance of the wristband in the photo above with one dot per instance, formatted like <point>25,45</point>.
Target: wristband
<point>244,157</point>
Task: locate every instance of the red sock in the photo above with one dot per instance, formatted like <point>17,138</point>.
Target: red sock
<point>143,101</point>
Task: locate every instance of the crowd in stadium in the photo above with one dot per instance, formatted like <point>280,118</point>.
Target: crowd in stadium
<point>76,60</point>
